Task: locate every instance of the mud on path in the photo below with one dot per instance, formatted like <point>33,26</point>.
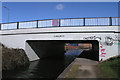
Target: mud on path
<point>80,68</point>
<point>86,68</point>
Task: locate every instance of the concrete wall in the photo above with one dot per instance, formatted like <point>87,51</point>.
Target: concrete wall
<point>47,49</point>
<point>30,52</point>
<point>107,49</point>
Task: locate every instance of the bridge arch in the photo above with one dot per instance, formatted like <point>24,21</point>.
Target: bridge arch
<point>56,48</point>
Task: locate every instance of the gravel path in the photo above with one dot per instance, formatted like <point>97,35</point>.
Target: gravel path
<point>80,68</point>
<point>86,68</point>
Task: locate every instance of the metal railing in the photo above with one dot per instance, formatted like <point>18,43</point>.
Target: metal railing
<point>66,22</point>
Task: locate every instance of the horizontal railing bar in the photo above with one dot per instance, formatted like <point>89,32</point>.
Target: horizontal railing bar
<point>62,19</point>
<point>86,21</point>
<point>89,17</point>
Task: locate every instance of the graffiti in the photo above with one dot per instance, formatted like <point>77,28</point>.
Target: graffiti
<point>109,40</point>
<point>117,37</point>
<point>92,38</point>
<point>102,52</point>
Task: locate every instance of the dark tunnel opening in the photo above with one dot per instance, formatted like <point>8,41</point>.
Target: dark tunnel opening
<point>55,49</point>
<point>93,53</point>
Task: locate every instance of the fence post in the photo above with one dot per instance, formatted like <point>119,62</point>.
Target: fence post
<point>37,23</point>
<point>17,25</point>
<point>0,26</point>
<point>83,21</point>
<point>59,22</point>
<point>118,21</point>
<point>110,21</point>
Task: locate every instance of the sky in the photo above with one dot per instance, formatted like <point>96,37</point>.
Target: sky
<point>25,11</point>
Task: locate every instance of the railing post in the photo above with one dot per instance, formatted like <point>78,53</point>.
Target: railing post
<point>37,23</point>
<point>110,21</point>
<point>118,21</point>
<point>59,22</point>
<point>0,26</point>
<point>83,21</point>
<point>17,25</point>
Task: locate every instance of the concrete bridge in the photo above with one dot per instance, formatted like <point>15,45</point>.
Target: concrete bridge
<point>43,38</point>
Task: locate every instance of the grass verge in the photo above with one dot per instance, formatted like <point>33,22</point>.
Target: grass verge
<point>109,68</point>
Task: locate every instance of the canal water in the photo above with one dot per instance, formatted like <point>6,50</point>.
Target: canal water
<point>45,68</point>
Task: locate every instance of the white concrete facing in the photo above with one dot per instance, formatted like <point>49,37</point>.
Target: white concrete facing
<point>106,35</point>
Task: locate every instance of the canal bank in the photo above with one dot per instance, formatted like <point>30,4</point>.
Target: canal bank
<point>13,58</point>
<point>43,68</point>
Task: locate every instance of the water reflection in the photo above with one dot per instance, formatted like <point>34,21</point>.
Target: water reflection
<point>45,68</point>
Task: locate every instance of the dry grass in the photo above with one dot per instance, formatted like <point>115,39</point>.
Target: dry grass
<point>13,58</point>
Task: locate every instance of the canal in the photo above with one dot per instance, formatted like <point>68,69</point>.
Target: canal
<point>45,68</point>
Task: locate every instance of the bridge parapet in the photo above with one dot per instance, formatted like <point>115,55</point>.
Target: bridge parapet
<point>66,22</point>
<point>92,29</point>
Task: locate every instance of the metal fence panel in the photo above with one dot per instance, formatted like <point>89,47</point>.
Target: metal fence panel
<point>115,21</point>
<point>71,22</point>
<point>31,24</point>
<point>97,21</point>
<point>9,26</point>
<point>46,23</point>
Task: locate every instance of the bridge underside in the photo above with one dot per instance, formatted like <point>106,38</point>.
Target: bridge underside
<point>56,48</point>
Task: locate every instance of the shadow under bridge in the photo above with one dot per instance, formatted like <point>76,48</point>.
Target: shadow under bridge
<point>55,49</point>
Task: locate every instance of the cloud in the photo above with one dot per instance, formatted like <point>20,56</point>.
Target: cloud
<point>59,7</point>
